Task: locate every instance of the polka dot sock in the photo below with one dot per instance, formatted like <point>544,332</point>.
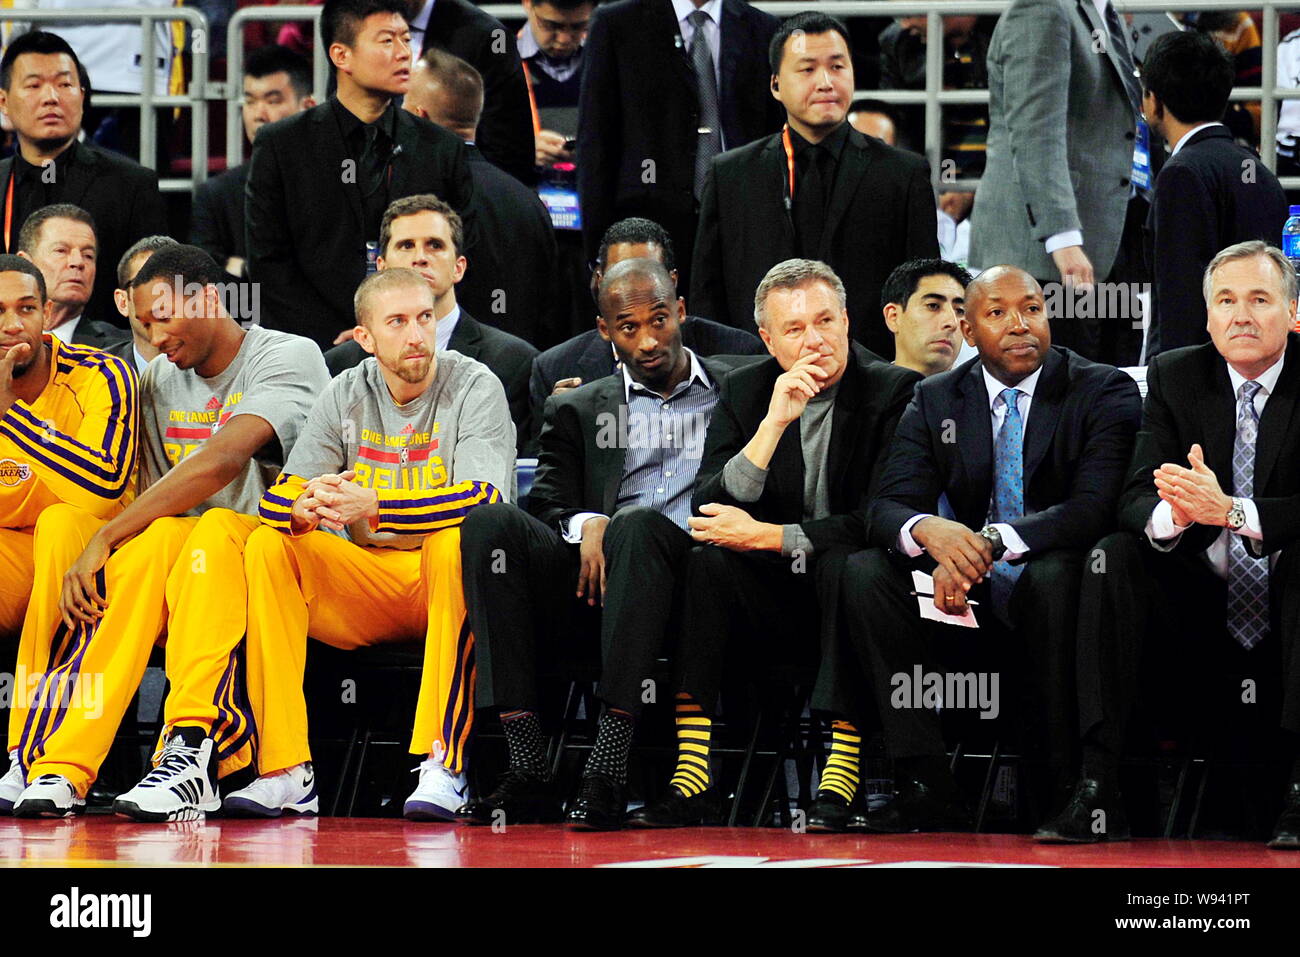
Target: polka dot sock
<point>524,740</point>
<point>613,741</point>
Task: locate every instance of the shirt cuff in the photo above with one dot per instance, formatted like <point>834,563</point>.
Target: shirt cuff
<point>573,534</point>
<point>1071,237</point>
<point>906,543</point>
<point>1016,547</point>
<point>742,479</point>
<point>1252,528</point>
<point>794,540</point>
<point>1162,532</point>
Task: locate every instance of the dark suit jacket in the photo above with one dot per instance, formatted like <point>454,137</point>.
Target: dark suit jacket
<point>122,197</point>
<point>1202,205</point>
<point>871,397</point>
<point>305,234</point>
<point>217,215</point>
<point>639,104</point>
<point>577,471</point>
<point>100,335</point>
<point>881,214</point>
<point>509,358</point>
<point>1078,439</point>
<point>505,130</point>
<point>1190,399</point>
<point>516,268</point>
<point>124,350</point>
<point>589,357</point>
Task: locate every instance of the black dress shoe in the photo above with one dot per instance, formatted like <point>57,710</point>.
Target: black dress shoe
<point>1286,836</point>
<point>601,805</point>
<point>829,814</point>
<point>1091,815</point>
<point>920,807</point>
<point>675,809</point>
<point>521,797</point>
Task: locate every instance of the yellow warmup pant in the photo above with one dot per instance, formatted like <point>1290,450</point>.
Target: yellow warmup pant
<point>17,568</point>
<point>181,578</point>
<point>351,596</point>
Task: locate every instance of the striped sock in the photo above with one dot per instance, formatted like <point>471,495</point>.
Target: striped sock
<point>694,731</point>
<point>840,776</point>
<point>524,741</point>
<point>613,741</point>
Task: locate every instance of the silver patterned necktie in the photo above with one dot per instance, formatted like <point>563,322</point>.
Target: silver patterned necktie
<point>706,84</point>
<point>1247,575</point>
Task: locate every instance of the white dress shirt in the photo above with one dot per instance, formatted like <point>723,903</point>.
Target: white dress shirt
<point>1182,140</point>
<point>712,29</point>
<point>445,328</point>
<point>64,331</point>
<point>419,27</point>
<point>1015,545</point>
<point>1163,532</point>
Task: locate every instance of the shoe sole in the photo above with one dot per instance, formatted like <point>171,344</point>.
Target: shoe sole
<point>588,826</point>
<point>242,808</point>
<point>424,811</point>
<point>1287,844</point>
<point>129,809</point>
<point>546,816</point>
<point>45,808</point>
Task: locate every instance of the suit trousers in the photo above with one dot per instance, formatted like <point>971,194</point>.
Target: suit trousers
<point>1034,654</point>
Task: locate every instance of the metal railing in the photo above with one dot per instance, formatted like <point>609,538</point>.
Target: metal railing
<point>195,98</point>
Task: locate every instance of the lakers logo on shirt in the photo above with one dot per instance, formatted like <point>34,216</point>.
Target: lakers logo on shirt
<point>14,473</point>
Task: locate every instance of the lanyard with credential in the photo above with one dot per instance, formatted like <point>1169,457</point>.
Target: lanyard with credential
<point>532,98</point>
<point>9,209</point>
<point>789,164</point>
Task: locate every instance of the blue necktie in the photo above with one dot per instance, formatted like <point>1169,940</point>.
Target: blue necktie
<point>1008,491</point>
<point>1247,575</point>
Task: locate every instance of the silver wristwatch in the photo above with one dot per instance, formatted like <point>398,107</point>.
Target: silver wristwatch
<point>1236,516</point>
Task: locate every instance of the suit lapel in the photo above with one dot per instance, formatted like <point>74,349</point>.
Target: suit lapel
<point>732,28</point>
<point>81,175</point>
<point>1089,12</point>
<point>408,138</point>
<point>853,167</point>
<point>467,337</point>
<point>1279,411</point>
<point>597,360</point>
<point>329,147</point>
<point>974,446</point>
<point>1218,414</point>
<point>607,460</point>
<point>1045,412</point>
<point>777,172</point>
<point>846,428</point>
<point>664,33</point>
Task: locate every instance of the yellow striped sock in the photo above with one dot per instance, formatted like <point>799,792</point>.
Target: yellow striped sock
<point>694,731</point>
<point>840,776</point>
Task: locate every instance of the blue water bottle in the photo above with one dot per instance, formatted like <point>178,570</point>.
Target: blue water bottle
<point>1291,238</point>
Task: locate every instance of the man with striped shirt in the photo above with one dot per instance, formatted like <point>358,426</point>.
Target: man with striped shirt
<point>397,451</point>
<point>67,444</point>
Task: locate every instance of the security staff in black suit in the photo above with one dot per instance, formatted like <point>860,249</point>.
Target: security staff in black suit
<point>512,280</point>
<point>319,181</point>
<point>588,357</point>
<point>649,122</point>
<point>277,83</point>
<point>609,510</point>
<point>43,90</point>
<point>1028,443</point>
<point>463,30</point>
<point>790,461</point>
<point>1200,589</point>
<point>853,202</point>
<point>1211,192</point>
<point>423,233</point>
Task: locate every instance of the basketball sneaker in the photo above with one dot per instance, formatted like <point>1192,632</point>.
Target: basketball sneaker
<point>271,795</point>
<point>179,787</point>
<point>50,795</point>
<point>12,784</point>
<point>438,796</point>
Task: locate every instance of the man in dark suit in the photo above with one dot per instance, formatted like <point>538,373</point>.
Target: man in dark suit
<point>463,30</point>
<point>588,357</point>
<point>1200,589</point>
<point>138,349</point>
<point>649,122</point>
<point>609,511</point>
<point>277,83</point>
<point>512,280</point>
<point>43,90</point>
<point>1211,192</point>
<point>61,241</point>
<point>858,205</point>
<point>423,233</point>
<point>1028,444</point>
<point>319,181</point>
<point>790,462</point>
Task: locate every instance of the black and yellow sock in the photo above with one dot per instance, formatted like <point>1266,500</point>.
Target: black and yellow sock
<point>840,776</point>
<point>694,732</point>
<point>613,742</point>
<point>524,741</point>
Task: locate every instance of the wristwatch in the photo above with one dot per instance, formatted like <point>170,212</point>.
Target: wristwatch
<point>1236,516</point>
<point>995,539</point>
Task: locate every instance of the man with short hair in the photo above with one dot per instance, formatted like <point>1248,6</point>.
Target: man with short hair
<point>425,234</point>
<point>320,180</point>
<point>61,240</point>
<point>217,418</point>
<point>819,190</point>
<point>398,451</point>
<point>550,46</point>
<point>924,301</point>
<point>1028,443</point>
<point>1203,576</point>
<point>609,508</point>
<point>512,281</point>
<point>67,437</point>
<point>43,91</point>
<point>138,350</point>
<point>1211,192</point>
<point>277,83</point>
<point>790,461</point>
